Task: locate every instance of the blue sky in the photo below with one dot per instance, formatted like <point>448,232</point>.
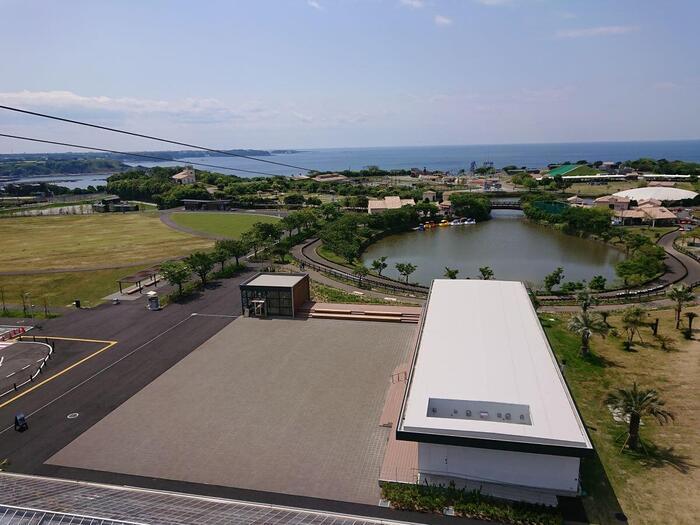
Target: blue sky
<point>334,73</point>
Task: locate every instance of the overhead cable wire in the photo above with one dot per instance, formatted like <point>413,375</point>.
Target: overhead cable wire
<point>141,155</point>
<point>150,137</point>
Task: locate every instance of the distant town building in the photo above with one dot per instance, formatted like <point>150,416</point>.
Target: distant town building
<point>114,204</point>
<point>612,202</point>
<point>186,176</point>
<point>330,177</point>
<point>375,206</point>
<point>430,196</point>
<point>206,205</point>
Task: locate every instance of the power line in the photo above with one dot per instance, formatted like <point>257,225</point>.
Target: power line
<point>150,157</point>
<point>134,134</point>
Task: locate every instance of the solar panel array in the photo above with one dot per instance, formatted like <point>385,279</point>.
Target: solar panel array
<point>79,503</point>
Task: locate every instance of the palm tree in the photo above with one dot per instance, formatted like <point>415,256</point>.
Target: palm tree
<point>691,316</point>
<point>632,319</point>
<point>586,299</point>
<point>450,273</point>
<point>681,295</point>
<point>585,325</point>
<point>635,403</point>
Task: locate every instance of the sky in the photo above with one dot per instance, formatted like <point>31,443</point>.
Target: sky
<point>350,73</point>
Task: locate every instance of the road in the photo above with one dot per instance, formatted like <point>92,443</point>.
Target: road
<point>147,344</point>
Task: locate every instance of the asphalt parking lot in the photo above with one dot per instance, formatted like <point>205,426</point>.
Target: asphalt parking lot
<point>103,357</point>
<point>273,405</point>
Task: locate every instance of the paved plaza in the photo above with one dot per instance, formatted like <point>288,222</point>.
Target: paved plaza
<point>288,406</point>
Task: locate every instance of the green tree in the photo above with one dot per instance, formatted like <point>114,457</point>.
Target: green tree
<point>360,271</point>
<point>450,273</point>
<point>379,265</point>
<point>219,255</point>
<point>681,295</point>
<point>634,403</point>
<point>281,251</point>
<point>553,279</point>
<point>233,247</point>
<point>406,269</point>
<point>294,199</point>
<point>201,264</point>
<point>584,325</point>
<point>598,283</point>
<point>176,273</point>
<point>486,273</point>
<point>632,320</point>
<point>251,239</point>
<point>267,232</point>
<point>470,205</point>
<point>330,211</point>
<point>691,316</point>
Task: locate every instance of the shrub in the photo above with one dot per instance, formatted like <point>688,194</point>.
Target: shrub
<point>468,504</point>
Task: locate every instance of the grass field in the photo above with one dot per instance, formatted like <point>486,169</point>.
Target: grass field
<point>584,189</point>
<point>663,486</point>
<point>223,224</point>
<point>87,241</point>
<point>61,289</point>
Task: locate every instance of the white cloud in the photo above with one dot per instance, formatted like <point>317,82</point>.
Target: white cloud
<point>442,20</point>
<point>190,110</point>
<point>494,2</point>
<point>413,4</point>
<point>596,31</point>
<point>314,4</point>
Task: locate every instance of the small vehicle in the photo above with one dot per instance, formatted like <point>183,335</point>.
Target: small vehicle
<point>21,422</point>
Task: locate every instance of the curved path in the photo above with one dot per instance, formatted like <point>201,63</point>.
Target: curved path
<point>681,269</point>
<point>307,253</point>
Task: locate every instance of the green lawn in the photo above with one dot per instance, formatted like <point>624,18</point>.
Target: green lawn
<point>223,224</point>
<point>61,289</point>
<point>88,241</point>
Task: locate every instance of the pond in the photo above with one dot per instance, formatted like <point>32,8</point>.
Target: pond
<point>514,248</point>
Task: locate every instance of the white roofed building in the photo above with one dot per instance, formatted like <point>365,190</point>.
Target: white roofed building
<point>186,176</point>
<point>375,206</point>
<point>486,400</point>
<point>659,193</point>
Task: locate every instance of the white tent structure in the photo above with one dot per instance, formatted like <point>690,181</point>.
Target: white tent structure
<point>660,193</point>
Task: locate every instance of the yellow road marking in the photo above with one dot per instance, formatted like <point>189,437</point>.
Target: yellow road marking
<point>109,345</point>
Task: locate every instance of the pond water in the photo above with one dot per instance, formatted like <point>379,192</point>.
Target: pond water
<point>514,248</point>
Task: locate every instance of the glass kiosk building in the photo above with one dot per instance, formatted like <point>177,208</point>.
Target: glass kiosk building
<point>274,294</point>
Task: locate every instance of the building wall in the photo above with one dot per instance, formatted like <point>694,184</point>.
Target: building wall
<point>301,293</point>
<point>552,473</point>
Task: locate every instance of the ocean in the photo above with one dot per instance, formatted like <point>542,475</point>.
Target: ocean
<point>454,158</point>
<point>445,158</point>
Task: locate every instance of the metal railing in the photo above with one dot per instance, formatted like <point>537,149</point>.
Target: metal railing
<point>33,376</point>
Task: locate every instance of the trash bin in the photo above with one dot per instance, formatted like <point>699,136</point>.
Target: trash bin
<point>77,303</point>
<point>153,303</point>
<point>21,422</point>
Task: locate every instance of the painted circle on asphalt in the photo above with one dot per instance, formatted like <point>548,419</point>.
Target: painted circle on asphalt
<point>72,415</point>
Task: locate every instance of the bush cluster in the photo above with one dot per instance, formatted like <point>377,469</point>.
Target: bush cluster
<point>466,503</point>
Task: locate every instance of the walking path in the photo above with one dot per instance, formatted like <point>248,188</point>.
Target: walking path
<point>681,269</point>
<point>307,253</point>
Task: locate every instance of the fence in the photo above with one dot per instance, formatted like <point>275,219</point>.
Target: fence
<point>39,370</point>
